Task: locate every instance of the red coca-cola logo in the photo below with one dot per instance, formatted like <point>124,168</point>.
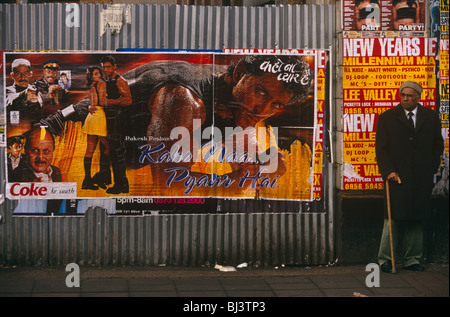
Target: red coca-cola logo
<point>32,189</point>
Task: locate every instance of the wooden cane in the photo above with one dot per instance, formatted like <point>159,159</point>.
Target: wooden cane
<point>388,198</point>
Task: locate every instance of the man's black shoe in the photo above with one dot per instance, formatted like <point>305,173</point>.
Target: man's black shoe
<point>386,267</point>
<point>118,189</point>
<point>415,267</point>
<point>88,184</point>
<point>101,179</point>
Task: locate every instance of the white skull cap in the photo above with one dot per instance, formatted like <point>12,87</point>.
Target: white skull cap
<point>20,61</point>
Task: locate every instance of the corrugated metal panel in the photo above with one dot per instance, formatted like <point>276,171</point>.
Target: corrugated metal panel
<point>165,26</point>
<point>98,239</point>
<point>270,233</point>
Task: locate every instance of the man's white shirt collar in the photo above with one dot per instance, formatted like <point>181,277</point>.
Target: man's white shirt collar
<point>45,177</point>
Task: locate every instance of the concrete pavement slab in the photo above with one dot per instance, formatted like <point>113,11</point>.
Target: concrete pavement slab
<point>195,282</point>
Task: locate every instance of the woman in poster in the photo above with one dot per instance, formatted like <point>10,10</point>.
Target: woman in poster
<point>95,123</point>
<point>367,15</point>
<point>405,13</point>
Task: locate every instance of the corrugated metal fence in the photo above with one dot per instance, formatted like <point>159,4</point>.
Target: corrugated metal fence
<point>166,26</point>
<point>99,239</point>
<point>264,238</point>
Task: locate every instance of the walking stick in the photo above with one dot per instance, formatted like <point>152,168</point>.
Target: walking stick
<point>388,198</point>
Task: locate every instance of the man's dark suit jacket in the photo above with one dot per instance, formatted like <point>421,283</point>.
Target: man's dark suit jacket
<point>24,174</point>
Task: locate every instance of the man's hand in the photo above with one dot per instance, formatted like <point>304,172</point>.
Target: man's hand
<point>32,95</point>
<point>53,90</point>
<point>393,177</point>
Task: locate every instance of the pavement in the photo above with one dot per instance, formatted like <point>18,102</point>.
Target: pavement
<point>208,281</point>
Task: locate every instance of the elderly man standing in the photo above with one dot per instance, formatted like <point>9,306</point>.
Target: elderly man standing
<point>408,147</point>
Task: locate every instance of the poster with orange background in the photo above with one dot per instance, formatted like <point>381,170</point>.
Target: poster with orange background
<point>294,129</point>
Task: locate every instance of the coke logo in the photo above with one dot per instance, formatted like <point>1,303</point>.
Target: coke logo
<point>28,190</point>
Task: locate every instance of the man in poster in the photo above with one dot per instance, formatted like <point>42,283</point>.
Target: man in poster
<point>118,96</point>
<point>14,145</point>
<point>247,92</point>
<point>36,166</point>
<point>408,146</point>
<point>53,96</point>
<point>23,102</point>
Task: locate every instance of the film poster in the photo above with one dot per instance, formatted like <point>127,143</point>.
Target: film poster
<point>165,125</point>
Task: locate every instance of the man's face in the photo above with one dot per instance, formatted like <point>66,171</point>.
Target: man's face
<point>259,97</point>
<point>50,75</point>
<point>109,69</point>
<point>22,75</point>
<point>40,153</point>
<point>409,98</point>
<point>15,149</point>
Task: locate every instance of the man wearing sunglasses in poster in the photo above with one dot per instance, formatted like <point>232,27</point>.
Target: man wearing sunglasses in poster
<point>171,95</point>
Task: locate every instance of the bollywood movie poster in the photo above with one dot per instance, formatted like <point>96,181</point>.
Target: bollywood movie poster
<point>384,18</point>
<point>185,126</point>
<point>373,70</point>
